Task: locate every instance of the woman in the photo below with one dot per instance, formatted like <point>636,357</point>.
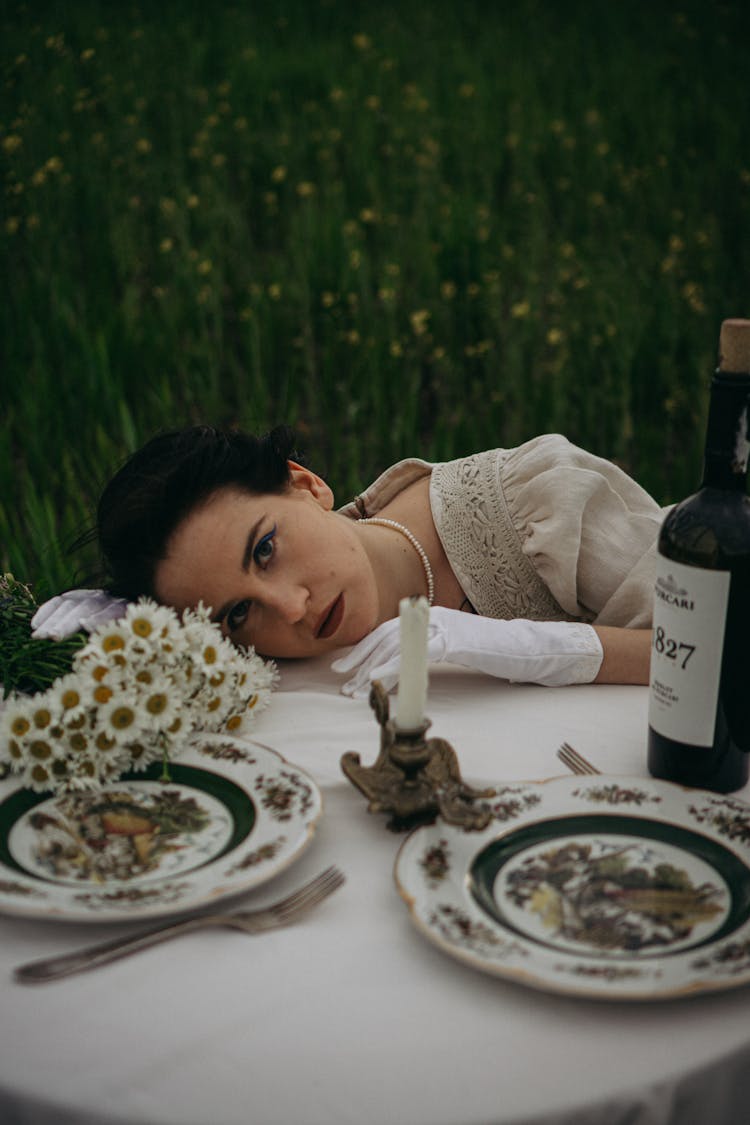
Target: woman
<point>538,560</point>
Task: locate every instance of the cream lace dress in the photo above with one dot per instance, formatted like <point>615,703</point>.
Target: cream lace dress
<point>545,531</point>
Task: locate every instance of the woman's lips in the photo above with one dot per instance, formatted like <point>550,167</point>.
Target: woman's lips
<point>331,619</point>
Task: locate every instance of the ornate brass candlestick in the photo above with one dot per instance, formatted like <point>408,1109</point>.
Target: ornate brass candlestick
<point>414,778</point>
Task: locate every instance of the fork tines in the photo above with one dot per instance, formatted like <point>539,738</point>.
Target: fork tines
<point>575,761</point>
<point>310,894</point>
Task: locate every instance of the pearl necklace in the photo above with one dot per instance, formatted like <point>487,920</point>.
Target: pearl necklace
<point>415,544</point>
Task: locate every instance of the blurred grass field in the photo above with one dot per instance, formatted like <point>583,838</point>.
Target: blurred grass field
<point>419,229</point>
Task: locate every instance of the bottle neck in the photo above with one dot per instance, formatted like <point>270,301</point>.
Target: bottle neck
<point>727,450</point>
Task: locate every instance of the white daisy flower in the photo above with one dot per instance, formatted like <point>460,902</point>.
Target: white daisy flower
<point>150,622</point>
<point>71,693</point>
<point>121,718</point>
<point>161,706</point>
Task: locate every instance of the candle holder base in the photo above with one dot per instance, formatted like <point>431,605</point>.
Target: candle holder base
<point>413,778</point>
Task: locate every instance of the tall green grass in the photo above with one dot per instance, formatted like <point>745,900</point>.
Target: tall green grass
<point>405,229</point>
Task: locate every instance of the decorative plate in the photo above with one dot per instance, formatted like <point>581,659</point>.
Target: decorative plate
<point>232,815</point>
<point>611,887</point>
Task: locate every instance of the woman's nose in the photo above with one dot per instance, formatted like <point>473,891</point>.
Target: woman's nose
<point>289,602</point>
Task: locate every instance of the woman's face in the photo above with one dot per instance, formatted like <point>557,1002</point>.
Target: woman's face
<point>281,571</point>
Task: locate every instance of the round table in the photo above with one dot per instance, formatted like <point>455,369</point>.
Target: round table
<point>351,1015</point>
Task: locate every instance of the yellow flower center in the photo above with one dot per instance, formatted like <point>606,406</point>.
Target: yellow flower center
<point>141,626</point>
<point>103,694</point>
<point>70,698</point>
<point>113,642</point>
<point>20,726</point>
<point>157,704</point>
<point>233,722</point>
<point>122,718</point>
<point>42,718</point>
<point>40,749</point>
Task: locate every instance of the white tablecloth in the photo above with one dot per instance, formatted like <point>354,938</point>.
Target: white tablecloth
<point>352,1016</point>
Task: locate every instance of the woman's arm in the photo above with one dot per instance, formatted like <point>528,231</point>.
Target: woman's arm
<point>627,655</point>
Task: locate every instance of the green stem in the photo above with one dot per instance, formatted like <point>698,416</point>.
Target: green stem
<point>165,774</point>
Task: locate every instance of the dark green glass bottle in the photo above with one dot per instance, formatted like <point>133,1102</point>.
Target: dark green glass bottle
<point>699,705</point>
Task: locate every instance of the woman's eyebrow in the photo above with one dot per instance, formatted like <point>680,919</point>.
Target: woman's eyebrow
<point>247,554</point>
<point>247,558</point>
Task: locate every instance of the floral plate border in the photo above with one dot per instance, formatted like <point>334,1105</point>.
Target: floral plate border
<point>271,809</point>
<point>463,888</point>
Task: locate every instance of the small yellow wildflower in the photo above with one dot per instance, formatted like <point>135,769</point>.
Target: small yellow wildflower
<point>419,321</point>
<point>274,291</point>
<point>305,189</point>
<point>143,145</point>
<point>205,267</point>
<point>520,309</point>
<point>362,42</point>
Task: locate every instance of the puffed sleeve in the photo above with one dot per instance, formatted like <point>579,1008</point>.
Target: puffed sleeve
<point>587,528</point>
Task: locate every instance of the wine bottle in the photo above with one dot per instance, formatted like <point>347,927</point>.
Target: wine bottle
<point>699,703</point>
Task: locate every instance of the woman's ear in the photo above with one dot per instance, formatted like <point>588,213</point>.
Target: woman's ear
<point>307,481</point>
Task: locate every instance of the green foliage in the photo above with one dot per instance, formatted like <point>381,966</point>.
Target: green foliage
<point>416,229</point>
<point>28,664</point>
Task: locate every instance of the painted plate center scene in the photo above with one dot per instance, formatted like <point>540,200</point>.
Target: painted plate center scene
<point>131,831</point>
<point>611,894</point>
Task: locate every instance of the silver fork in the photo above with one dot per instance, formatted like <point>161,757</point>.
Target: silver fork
<point>272,917</point>
<point>575,761</point>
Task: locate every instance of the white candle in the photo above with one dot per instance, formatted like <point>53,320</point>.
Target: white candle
<point>414,616</point>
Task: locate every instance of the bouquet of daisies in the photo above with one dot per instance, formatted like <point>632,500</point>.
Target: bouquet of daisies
<point>137,690</point>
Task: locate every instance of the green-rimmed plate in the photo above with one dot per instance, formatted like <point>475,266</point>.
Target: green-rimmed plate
<point>611,887</point>
<point>232,815</point>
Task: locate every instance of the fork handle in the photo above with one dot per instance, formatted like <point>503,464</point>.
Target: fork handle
<point>52,968</point>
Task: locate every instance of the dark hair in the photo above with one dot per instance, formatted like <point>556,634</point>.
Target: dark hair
<point>167,478</point>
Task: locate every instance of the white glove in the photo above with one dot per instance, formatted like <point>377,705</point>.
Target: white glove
<point>74,610</point>
<point>538,652</point>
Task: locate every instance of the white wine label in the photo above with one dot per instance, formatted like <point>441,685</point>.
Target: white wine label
<point>690,607</point>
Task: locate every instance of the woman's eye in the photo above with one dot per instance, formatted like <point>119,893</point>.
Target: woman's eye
<point>263,552</point>
<point>238,615</point>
